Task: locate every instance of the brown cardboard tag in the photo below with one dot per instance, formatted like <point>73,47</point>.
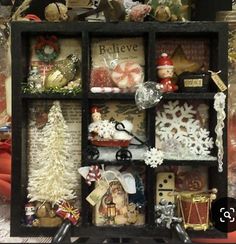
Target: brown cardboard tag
<point>96,195</point>
<point>218,81</point>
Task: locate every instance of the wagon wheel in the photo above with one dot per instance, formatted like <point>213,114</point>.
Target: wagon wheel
<point>92,152</point>
<point>123,155</point>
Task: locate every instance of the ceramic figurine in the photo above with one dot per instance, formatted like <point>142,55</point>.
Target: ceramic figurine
<point>34,78</point>
<point>165,71</point>
<point>103,129</point>
<point>30,214</point>
<point>97,118</point>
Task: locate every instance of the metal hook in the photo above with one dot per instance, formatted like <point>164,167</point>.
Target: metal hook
<point>120,127</point>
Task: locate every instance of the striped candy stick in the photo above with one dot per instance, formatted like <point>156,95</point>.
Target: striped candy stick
<point>93,174</point>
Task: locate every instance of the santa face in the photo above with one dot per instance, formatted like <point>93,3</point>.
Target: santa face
<point>165,72</point>
<point>118,195</point>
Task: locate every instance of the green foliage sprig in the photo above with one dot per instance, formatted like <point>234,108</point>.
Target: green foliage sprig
<point>26,89</point>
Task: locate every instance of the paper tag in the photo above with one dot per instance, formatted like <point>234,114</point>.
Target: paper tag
<point>96,195</point>
<point>218,81</point>
<point>193,82</point>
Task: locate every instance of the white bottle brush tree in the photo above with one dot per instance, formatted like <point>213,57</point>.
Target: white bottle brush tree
<point>52,177</point>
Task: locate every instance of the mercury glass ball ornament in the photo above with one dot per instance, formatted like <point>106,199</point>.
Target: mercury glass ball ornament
<point>148,95</point>
<point>63,72</point>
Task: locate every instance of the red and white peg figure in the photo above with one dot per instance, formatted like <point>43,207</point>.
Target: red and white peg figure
<point>165,71</point>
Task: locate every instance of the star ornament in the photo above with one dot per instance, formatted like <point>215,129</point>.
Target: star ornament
<point>182,63</point>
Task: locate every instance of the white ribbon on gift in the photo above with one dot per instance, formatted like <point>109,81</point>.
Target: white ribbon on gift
<point>127,180</point>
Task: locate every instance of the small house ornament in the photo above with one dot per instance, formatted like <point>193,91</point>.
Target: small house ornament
<point>165,71</point>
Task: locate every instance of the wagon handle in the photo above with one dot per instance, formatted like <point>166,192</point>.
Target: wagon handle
<point>120,127</point>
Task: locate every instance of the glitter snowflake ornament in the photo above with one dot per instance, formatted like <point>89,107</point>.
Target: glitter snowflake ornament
<point>175,121</point>
<point>180,133</point>
<point>153,157</point>
<point>196,140</point>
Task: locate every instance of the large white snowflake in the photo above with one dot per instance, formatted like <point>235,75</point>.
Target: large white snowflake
<point>200,142</point>
<point>177,124</point>
<point>175,121</point>
<point>153,157</point>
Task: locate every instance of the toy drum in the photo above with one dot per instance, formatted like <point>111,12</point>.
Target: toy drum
<point>194,209</point>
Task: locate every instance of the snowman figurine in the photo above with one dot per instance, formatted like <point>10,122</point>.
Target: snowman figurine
<point>165,71</point>
<point>34,78</point>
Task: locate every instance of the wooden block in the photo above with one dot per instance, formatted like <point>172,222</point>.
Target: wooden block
<point>165,185</point>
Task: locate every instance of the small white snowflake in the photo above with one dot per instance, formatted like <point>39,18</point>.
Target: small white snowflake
<point>153,157</point>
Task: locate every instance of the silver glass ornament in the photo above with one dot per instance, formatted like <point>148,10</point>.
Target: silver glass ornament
<point>148,94</point>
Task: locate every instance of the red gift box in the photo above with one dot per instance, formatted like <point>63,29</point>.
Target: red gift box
<point>66,211</point>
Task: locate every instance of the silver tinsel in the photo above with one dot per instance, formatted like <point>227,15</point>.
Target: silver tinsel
<point>165,214</point>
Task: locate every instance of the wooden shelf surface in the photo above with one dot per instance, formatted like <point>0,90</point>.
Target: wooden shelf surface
<point>167,96</point>
<point>75,28</point>
<point>119,96</point>
<point>113,232</point>
<point>58,96</point>
<point>207,163</point>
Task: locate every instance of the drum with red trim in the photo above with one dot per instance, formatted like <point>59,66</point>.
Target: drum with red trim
<point>194,208</point>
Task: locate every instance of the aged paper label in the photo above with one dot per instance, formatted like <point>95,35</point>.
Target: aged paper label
<point>193,82</point>
<point>96,195</point>
<point>219,82</point>
<point>106,51</point>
